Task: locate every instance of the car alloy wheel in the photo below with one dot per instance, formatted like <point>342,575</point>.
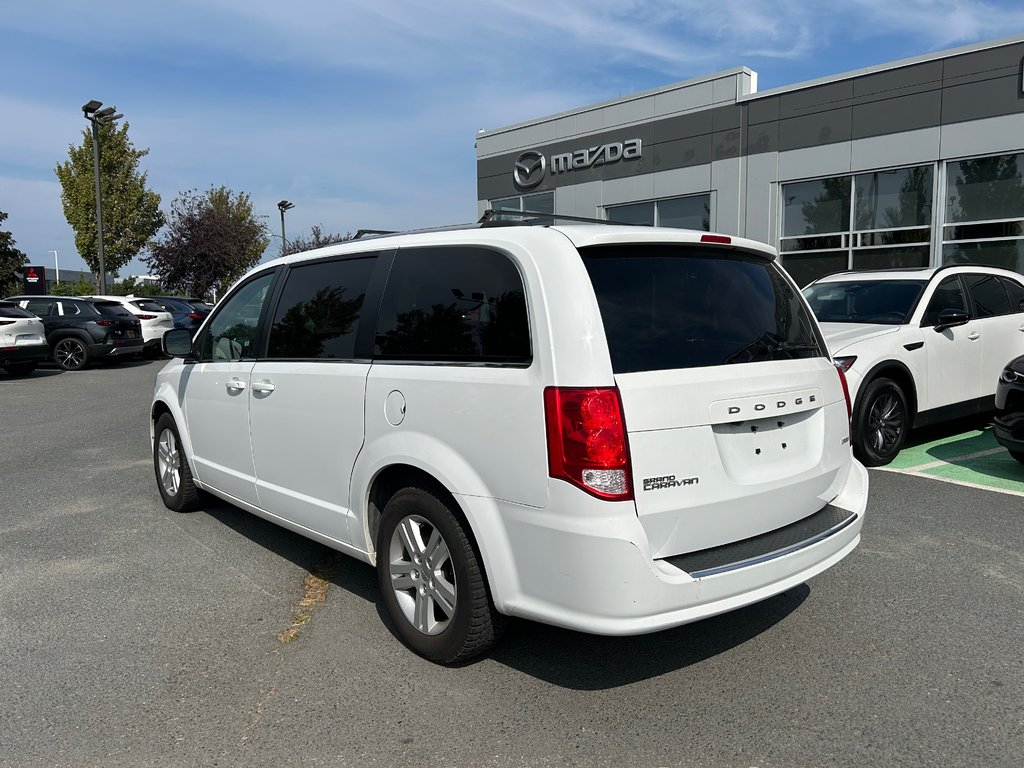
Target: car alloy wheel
<point>431,578</point>
<point>882,423</point>
<point>70,354</point>
<point>173,476</point>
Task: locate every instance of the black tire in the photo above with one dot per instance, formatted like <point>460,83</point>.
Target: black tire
<point>70,353</point>
<point>1018,455</point>
<point>880,422</point>
<point>422,610</point>
<point>173,476</point>
<point>20,369</point>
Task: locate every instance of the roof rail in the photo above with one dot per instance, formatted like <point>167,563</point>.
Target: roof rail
<point>491,218</point>
<point>360,233</point>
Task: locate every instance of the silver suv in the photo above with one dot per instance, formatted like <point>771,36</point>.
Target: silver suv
<point>608,428</point>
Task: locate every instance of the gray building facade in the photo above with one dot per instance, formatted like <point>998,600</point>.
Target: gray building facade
<point>916,162</point>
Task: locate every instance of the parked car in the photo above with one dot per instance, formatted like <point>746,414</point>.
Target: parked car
<point>154,319</point>
<point>22,340</point>
<point>609,428</point>
<point>187,313</point>
<point>918,346</point>
<point>79,330</point>
<point>1008,425</point>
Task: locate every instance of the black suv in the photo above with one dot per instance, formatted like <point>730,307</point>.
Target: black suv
<point>79,330</point>
<point>1008,426</point>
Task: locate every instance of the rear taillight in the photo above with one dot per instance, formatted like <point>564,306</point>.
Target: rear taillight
<point>717,239</point>
<point>146,317</point>
<point>587,440</point>
<point>105,323</point>
<point>846,392</point>
<point>194,316</point>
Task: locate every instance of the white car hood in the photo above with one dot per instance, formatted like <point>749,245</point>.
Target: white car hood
<point>839,336</point>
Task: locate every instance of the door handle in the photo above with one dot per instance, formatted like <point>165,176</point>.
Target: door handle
<point>235,385</point>
<point>973,335</point>
<point>263,386</point>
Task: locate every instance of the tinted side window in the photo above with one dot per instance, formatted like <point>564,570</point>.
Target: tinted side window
<point>949,295</point>
<point>12,310</point>
<point>455,304</point>
<point>1015,291</point>
<point>231,335</point>
<point>40,307</point>
<point>988,294</point>
<point>319,310</point>
<point>112,310</point>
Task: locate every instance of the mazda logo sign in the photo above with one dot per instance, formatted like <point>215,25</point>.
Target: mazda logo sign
<point>529,169</point>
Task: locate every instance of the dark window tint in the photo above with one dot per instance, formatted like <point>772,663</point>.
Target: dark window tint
<point>41,307</point>
<point>1015,291</point>
<point>13,310</point>
<point>683,307</point>
<point>864,301</point>
<point>949,295</point>
<point>455,304</point>
<point>148,305</point>
<point>231,334</point>
<point>319,309</point>
<point>111,309</point>
<point>988,294</point>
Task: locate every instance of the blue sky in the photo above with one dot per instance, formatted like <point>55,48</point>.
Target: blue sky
<point>364,112</point>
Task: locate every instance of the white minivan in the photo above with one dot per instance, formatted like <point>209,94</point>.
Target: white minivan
<point>608,428</point>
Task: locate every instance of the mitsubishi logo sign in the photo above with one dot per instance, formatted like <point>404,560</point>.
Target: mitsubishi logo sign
<point>529,169</point>
<point>531,166</point>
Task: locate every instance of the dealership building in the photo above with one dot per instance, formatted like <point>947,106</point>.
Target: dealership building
<point>911,163</point>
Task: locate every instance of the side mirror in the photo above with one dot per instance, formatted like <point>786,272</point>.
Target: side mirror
<point>177,343</point>
<point>949,318</point>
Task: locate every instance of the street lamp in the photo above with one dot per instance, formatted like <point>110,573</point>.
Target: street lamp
<point>92,112</point>
<point>283,206</point>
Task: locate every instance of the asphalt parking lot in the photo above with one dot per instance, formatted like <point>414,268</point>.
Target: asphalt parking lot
<point>134,636</point>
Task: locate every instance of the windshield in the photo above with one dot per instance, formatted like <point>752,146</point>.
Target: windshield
<point>676,306</point>
<point>887,302</point>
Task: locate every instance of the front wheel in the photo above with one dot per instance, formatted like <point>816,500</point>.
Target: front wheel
<point>432,581</point>
<point>173,476</point>
<point>881,423</point>
<point>71,354</point>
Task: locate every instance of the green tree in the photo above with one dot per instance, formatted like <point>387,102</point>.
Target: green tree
<point>131,212</point>
<point>316,239</point>
<point>211,240</point>
<point>81,287</point>
<point>11,262</point>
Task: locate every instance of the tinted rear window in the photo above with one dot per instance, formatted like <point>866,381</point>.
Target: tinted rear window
<point>668,307</point>
<point>112,309</point>
<point>13,310</point>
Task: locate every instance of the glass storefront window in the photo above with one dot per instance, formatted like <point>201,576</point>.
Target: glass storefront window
<point>985,189</point>
<point>816,207</point>
<point>1008,254</point>
<point>691,212</point>
<point>892,199</point>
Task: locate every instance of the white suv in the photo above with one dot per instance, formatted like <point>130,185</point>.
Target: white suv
<point>608,428</point>
<point>918,346</point>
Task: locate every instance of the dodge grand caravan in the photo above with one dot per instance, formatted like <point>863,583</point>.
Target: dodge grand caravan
<point>608,428</point>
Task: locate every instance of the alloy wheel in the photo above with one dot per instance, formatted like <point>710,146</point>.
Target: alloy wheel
<point>168,463</point>
<point>886,422</point>
<point>422,575</point>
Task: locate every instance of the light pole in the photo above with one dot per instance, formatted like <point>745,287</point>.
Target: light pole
<point>92,112</point>
<point>56,264</point>
<point>283,206</point>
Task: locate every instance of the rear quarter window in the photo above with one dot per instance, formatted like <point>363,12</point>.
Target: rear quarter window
<point>455,304</point>
<point>679,306</point>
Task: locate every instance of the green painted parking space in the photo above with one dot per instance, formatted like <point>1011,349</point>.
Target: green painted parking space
<point>971,458</point>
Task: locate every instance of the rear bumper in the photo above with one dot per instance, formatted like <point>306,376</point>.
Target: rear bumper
<point>594,573</point>
<point>28,353</point>
<point>117,348</point>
